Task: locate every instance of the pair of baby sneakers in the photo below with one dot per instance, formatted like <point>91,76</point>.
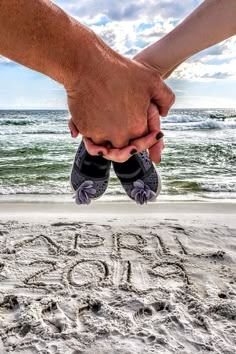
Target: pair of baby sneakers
<point>90,177</point>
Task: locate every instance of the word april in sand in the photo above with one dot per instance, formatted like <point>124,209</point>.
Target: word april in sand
<point>111,282</point>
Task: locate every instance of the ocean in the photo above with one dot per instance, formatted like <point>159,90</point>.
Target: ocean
<point>198,163</point>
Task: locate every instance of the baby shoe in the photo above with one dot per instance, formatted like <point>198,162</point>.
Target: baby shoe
<point>89,176</point>
<point>139,178</point>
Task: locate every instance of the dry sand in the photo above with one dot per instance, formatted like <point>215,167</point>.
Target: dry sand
<point>118,278</point>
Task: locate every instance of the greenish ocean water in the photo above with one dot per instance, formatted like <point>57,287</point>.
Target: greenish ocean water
<point>199,161</point>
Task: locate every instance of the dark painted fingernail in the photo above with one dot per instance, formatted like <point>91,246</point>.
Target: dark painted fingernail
<point>100,153</point>
<point>132,152</point>
<point>159,136</point>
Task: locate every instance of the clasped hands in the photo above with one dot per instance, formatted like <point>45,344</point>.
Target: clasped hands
<point>116,106</point>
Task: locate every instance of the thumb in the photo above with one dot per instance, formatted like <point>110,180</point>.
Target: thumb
<point>154,125</point>
<point>163,97</point>
<point>155,151</point>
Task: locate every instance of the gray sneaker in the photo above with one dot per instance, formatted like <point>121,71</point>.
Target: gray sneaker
<point>89,176</point>
<point>139,178</point>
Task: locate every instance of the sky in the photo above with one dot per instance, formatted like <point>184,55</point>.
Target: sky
<point>207,80</point>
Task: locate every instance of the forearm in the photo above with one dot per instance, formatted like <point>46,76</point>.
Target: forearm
<point>212,22</point>
<point>41,36</point>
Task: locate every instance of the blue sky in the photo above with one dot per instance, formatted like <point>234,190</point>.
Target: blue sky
<point>207,80</point>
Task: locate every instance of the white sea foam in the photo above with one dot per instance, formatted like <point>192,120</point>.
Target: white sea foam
<point>190,123</point>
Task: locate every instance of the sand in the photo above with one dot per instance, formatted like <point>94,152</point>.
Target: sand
<point>117,278</point>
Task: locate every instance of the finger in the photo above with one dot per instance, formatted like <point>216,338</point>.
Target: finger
<point>153,121</point>
<point>153,118</point>
<point>121,155</point>
<point>118,155</point>
<point>147,141</point>
<point>155,151</point>
<point>94,149</point>
<point>163,97</point>
<point>74,131</point>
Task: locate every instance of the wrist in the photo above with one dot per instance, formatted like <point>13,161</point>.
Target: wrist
<point>165,55</point>
<point>155,57</point>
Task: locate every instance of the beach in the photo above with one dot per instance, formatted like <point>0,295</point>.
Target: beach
<point>115,277</point>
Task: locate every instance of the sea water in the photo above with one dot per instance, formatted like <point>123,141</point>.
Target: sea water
<point>198,163</point>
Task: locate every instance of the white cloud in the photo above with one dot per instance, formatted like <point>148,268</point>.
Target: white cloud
<point>128,37</point>
<point>130,26</point>
<point>129,10</point>
<point>198,71</point>
<point>158,30</point>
